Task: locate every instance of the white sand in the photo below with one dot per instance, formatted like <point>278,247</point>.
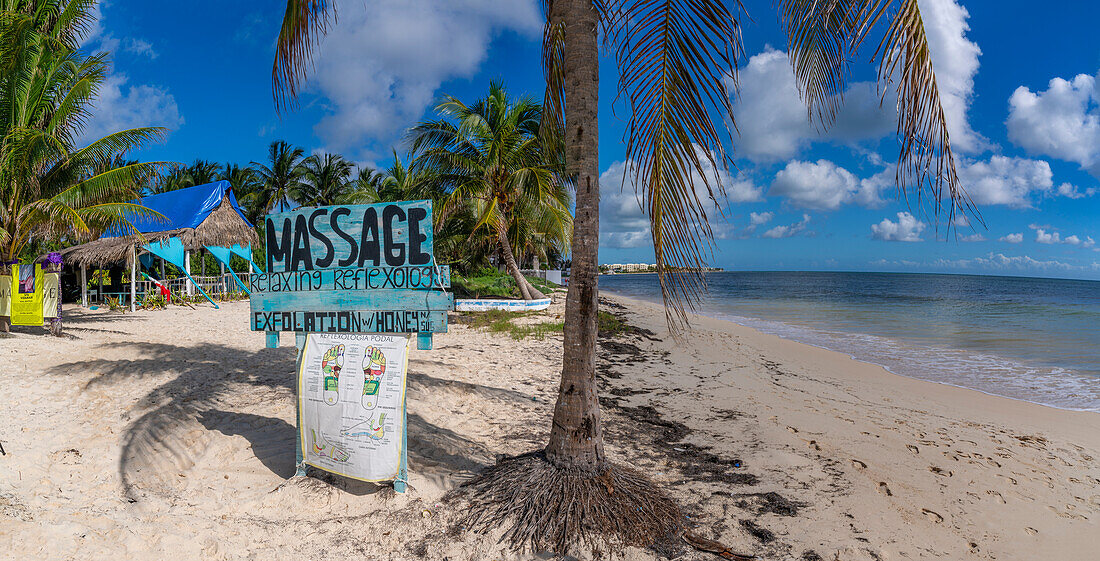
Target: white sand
<point>170,434</point>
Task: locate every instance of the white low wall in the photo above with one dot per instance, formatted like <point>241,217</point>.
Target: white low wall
<point>484,305</point>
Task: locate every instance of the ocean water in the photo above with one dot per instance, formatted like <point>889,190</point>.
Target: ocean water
<point>1026,338</point>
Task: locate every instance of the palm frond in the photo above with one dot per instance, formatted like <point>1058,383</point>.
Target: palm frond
<point>824,35</point>
<point>674,58</point>
<point>305,22</point>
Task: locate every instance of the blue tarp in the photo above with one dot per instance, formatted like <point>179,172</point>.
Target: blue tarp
<point>183,208</point>
<point>171,250</point>
<point>224,256</point>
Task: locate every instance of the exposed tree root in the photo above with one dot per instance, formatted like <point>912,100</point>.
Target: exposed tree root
<point>544,507</point>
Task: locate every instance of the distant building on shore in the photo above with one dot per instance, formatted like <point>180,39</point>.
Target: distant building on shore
<point>617,268</point>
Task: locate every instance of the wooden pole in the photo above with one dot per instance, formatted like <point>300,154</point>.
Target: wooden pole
<point>83,285</point>
<point>225,285</point>
<point>187,269</point>
<point>100,294</point>
<point>299,463</point>
<point>133,279</point>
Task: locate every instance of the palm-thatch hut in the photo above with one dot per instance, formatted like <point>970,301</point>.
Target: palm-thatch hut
<point>200,217</point>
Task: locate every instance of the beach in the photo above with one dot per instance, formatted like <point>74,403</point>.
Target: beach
<point>171,434</point>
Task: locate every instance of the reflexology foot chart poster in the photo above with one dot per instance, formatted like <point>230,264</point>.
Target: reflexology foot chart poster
<point>351,395</point>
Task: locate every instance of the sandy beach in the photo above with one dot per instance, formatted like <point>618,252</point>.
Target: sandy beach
<point>170,434</point>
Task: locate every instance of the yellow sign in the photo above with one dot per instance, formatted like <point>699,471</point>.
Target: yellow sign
<point>26,308</point>
<point>5,296</point>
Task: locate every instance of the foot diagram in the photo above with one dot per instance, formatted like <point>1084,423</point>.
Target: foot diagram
<point>326,449</point>
<point>368,429</point>
<point>374,366</point>
<point>331,363</point>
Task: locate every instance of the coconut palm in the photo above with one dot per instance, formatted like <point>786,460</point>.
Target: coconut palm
<point>494,161</point>
<point>281,176</point>
<point>678,63</point>
<point>50,187</point>
<point>248,188</point>
<point>324,180</point>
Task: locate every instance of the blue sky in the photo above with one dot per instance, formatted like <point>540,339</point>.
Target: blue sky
<point>1023,106</point>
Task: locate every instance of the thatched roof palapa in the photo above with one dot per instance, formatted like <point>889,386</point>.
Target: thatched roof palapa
<point>223,226</point>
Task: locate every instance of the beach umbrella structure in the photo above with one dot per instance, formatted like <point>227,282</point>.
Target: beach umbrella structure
<point>203,217</point>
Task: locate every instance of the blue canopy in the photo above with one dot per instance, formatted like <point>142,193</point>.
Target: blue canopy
<point>183,208</point>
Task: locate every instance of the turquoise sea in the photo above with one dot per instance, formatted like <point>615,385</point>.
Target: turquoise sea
<point>1032,339</point>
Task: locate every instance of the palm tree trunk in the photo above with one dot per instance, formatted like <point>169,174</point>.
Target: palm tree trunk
<point>576,436</point>
<point>525,289</point>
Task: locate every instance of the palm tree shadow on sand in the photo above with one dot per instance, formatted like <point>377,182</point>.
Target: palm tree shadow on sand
<point>212,389</point>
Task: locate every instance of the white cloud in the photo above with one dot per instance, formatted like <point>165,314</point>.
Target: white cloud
<point>623,222</point>
<point>973,238</point>
<point>1072,192</point>
<point>824,185</point>
<point>121,106</point>
<point>906,229</point>
<point>1062,122</point>
<point>1000,261</point>
<point>772,119</point>
<point>758,218</point>
<point>381,66</point>
<point>1085,242</point>
<point>1044,237</point>
<point>955,61</point>
<point>141,47</point>
<point>1012,238</point>
<point>788,230</point>
<point>1002,180</point>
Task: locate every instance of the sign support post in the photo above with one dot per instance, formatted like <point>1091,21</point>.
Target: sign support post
<point>299,462</point>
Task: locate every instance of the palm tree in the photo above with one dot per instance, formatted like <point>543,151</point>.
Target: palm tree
<point>201,172</point>
<point>324,180</point>
<point>674,58</point>
<point>50,188</point>
<point>493,158</point>
<point>281,177</point>
<point>247,186</point>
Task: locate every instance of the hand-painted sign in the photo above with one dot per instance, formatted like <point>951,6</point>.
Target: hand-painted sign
<point>386,234</point>
<point>352,269</point>
<point>354,278</point>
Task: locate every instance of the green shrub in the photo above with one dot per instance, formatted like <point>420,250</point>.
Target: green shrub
<point>488,282</point>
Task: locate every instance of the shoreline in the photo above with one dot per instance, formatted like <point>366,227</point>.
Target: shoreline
<point>870,361</point>
<point>149,434</point>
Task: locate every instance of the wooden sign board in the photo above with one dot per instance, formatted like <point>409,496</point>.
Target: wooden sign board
<point>352,269</point>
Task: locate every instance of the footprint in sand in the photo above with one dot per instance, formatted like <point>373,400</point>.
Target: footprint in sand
<point>932,515</point>
<point>1011,480</point>
<point>884,489</point>
<point>1095,500</point>
<point>940,471</point>
<point>860,465</point>
<point>997,496</point>
<point>792,429</point>
<point>813,444</point>
<point>1031,531</point>
<point>913,449</point>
